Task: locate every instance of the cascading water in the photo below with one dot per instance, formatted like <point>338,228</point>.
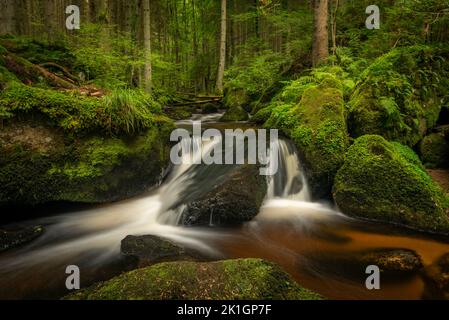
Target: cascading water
<point>289,182</point>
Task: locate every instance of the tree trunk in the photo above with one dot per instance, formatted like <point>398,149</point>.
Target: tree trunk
<point>221,66</point>
<point>7,17</point>
<point>147,45</point>
<point>320,50</point>
<point>336,3</point>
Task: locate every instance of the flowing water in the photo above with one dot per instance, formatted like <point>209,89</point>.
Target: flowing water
<point>308,239</point>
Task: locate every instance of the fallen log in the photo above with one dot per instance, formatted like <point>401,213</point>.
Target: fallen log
<point>64,71</point>
<point>30,73</point>
<point>194,103</point>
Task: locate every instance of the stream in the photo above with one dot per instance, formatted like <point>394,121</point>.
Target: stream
<point>306,238</point>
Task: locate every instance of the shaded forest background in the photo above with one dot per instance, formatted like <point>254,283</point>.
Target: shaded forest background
<point>267,40</point>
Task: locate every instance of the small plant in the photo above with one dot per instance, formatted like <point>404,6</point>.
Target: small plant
<point>129,111</point>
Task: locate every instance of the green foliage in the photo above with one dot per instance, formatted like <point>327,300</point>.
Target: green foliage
<point>252,77</point>
<point>112,62</point>
<point>122,111</point>
<point>129,111</point>
<point>251,279</point>
<point>385,181</point>
<point>400,94</point>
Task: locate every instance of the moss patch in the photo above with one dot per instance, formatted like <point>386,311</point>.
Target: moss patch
<point>251,279</point>
<point>385,181</point>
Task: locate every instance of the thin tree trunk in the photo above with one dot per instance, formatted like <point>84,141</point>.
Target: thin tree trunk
<point>221,67</point>
<point>320,50</point>
<point>147,45</point>
<point>334,26</point>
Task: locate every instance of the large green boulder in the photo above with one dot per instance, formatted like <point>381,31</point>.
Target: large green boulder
<point>247,279</point>
<point>40,164</point>
<point>400,95</point>
<point>386,181</point>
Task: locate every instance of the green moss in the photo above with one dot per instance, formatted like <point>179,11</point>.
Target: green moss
<point>262,115</point>
<point>235,113</point>
<point>384,181</point>
<point>400,94</point>
<point>93,169</point>
<point>123,111</point>
<point>251,279</point>
<point>434,150</point>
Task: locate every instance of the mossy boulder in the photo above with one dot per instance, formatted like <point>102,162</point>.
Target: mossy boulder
<point>247,279</point>
<point>386,181</point>
<point>235,113</point>
<point>39,164</point>
<point>317,125</point>
<point>434,150</point>
<point>400,95</point>
<point>234,200</point>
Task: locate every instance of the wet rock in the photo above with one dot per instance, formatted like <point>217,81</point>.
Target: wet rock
<point>436,278</point>
<point>148,250</point>
<point>210,108</point>
<point>12,238</point>
<point>247,279</point>
<point>235,200</point>
<point>393,260</point>
<point>394,264</point>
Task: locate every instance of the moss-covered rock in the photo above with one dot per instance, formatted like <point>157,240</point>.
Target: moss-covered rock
<point>400,95</point>
<point>262,115</point>
<point>235,113</point>
<point>251,279</point>
<point>434,150</point>
<point>385,181</point>
<point>49,166</point>
<point>317,125</point>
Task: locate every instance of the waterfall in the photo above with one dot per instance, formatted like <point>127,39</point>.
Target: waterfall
<point>289,182</point>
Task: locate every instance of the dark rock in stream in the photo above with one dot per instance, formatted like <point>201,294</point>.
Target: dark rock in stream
<point>436,279</point>
<point>235,200</point>
<point>149,249</point>
<point>15,237</point>
<point>394,264</point>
